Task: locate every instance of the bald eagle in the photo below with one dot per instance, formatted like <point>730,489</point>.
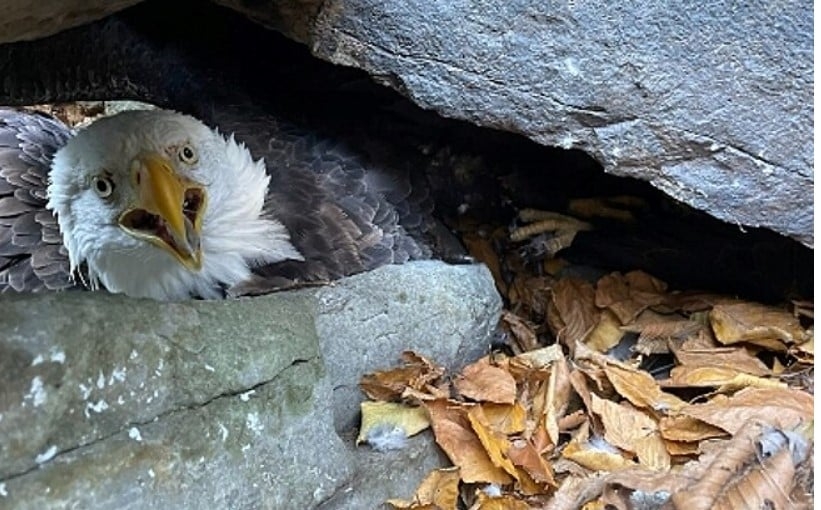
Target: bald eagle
<point>156,204</point>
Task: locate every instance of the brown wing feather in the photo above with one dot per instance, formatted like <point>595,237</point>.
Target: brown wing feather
<point>32,256</point>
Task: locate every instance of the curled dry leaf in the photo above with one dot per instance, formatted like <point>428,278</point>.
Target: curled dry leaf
<point>737,358</point>
<point>758,324</point>
<point>631,430</point>
<point>455,435</point>
<point>741,477</point>
<point>438,491</point>
<point>635,385</point>
<point>523,333</point>
<point>416,373</point>
<point>686,429</point>
<point>726,379</point>
<point>594,453</point>
<point>782,408</point>
<point>496,444</point>
<point>526,456</point>
<point>484,382</point>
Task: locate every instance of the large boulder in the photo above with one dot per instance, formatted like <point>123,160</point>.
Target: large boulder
<point>112,402</point>
<point>709,102</point>
<point>23,20</point>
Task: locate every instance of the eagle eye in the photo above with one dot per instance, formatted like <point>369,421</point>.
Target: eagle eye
<point>103,186</point>
<point>187,154</point>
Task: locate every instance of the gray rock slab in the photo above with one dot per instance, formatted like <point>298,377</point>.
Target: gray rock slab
<point>710,102</point>
<point>24,20</point>
<point>112,402</point>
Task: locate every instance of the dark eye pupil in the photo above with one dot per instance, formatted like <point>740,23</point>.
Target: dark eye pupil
<point>187,153</point>
<point>102,185</point>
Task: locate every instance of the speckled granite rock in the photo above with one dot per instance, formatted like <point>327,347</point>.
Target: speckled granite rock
<point>110,402</point>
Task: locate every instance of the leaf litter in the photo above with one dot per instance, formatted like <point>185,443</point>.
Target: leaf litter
<point>615,392</point>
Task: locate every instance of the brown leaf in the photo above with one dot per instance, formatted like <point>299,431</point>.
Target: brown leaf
<point>496,444</point>
<point>781,408</point>
<point>505,418</point>
<point>455,435</point>
<point>727,379</point>
<point>594,454</point>
<point>755,323</point>
<point>438,491</point>
<point>631,430</point>
<point>416,373</point>
<point>686,429</point>
<point>558,395</point>
<point>628,295</point>
<point>524,334</point>
<point>740,477</point>
<point>607,333</point>
<point>524,455</point>
<point>637,386</point>
<point>576,313</point>
<point>503,502</point>
<point>484,382</point>
<point>481,248</point>
<point>738,358</point>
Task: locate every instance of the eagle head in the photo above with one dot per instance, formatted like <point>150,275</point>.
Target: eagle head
<point>156,204</point>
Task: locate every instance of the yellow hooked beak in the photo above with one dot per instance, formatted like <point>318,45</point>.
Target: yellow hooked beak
<point>169,209</point>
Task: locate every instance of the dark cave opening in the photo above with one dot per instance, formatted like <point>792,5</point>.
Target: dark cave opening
<point>487,174</point>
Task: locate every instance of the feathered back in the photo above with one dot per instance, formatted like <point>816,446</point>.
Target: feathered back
<point>32,256</point>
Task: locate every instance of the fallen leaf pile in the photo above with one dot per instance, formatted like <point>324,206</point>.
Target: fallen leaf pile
<point>643,398</point>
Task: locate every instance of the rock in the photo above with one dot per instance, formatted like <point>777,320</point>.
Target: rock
<point>112,402</point>
<point>711,103</point>
<point>24,20</point>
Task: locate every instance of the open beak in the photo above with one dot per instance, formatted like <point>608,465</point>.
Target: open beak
<point>169,209</point>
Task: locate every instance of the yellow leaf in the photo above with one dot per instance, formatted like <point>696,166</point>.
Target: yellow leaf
<point>495,443</point>
<point>388,415</point>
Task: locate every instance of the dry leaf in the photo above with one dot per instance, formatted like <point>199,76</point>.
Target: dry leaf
<point>575,312</point>
<point>505,418</point>
<point>455,435</point>
<point>438,491</point>
<point>540,358</point>
<point>504,502</point>
<point>757,324</point>
<point>524,454</point>
<point>627,296</point>
<point>637,386</point>
<point>522,331</point>
<point>416,373</point>
<point>607,333</point>
<point>496,444</point>
<point>389,415</point>
<point>484,382</point>
<point>595,453</point>
<point>737,358</point>
<point>781,408</point>
<point>742,477</point>
<point>727,379</point>
<point>631,430</point>
<point>556,399</point>
<point>686,429</point>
